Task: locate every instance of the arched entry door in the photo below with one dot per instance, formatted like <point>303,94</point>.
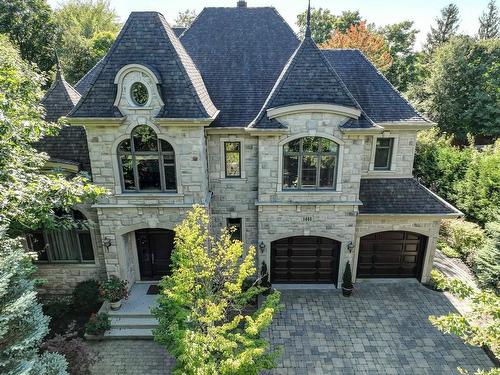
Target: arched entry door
<point>305,259</point>
<point>391,254</point>
<point>154,249</point>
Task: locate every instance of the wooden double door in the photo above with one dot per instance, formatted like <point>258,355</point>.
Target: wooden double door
<point>154,250</point>
<point>305,259</point>
<point>391,254</point>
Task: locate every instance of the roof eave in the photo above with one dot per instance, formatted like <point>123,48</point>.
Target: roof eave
<point>292,109</point>
<point>94,121</point>
<point>406,125</point>
<point>436,215</point>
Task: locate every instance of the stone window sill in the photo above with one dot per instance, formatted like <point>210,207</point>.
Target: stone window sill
<point>236,180</point>
<point>149,195</point>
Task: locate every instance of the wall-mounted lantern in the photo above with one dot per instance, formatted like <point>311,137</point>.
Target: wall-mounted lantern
<point>262,247</point>
<point>350,246</point>
<point>106,242</point>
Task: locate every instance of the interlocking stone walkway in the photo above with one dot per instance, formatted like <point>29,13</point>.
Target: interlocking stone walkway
<point>381,329</point>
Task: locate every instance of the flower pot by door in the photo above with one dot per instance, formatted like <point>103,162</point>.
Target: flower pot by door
<point>115,305</point>
<point>346,291</point>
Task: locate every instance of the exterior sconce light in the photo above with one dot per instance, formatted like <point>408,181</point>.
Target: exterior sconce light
<point>106,243</point>
<point>262,247</point>
<point>350,246</point>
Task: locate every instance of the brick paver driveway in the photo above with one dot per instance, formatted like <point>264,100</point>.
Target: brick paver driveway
<point>381,329</point>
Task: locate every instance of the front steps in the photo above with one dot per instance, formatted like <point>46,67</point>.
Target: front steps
<point>131,326</point>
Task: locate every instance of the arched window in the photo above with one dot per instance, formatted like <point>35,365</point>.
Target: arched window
<point>147,163</point>
<point>310,163</point>
<point>64,245</point>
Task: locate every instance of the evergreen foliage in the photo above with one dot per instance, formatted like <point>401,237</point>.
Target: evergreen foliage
<point>487,258</point>
<point>489,22</point>
<point>446,27</point>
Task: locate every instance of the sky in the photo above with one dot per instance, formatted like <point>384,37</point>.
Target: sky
<point>422,12</point>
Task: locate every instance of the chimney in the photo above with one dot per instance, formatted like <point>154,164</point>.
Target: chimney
<point>242,4</point>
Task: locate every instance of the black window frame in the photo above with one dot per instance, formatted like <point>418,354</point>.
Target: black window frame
<point>389,147</point>
<point>318,154</point>
<point>226,175</point>
<point>238,226</point>
<point>159,153</point>
<point>78,231</point>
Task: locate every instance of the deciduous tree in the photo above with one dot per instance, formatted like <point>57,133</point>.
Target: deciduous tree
<point>185,18</point>
<point>400,38</point>
<point>28,200</point>
<point>86,30</point>
<point>372,44</point>
<point>202,307</point>
<point>29,25</point>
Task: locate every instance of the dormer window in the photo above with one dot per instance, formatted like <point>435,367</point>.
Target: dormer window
<point>139,94</point>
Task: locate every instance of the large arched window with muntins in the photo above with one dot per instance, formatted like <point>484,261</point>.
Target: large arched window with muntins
<point>310,163</point>
<point>147,163</point>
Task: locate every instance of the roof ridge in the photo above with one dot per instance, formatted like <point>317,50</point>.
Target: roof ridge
<point>68,89</point>
<point>373,67</point>
<point>88,73</point>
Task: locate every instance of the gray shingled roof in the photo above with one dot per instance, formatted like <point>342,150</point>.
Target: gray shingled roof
<point>178,30</point>
<point>378,98</point>
<point>70,145</point>
<point>147,39</point>
<point>307,78</point>
<point>240,53</point>
<point>60,98</point>
<point>400,196</point>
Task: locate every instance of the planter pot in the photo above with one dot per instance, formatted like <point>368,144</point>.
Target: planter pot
<point>115,305</point>
<point>347,291</point>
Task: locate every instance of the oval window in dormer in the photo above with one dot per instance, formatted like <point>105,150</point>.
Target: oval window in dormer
<point>139,93</point>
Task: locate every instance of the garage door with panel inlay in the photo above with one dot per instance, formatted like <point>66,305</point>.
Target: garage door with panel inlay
<point>305,259</point>
<point>391,254</point>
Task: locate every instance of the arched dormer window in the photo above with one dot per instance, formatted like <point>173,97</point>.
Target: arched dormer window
<point>147,163</point>
<point>310,163</point>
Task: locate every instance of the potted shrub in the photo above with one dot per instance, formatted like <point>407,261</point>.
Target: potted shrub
<point>114,290</point>
<point>347,284</point>
<point>97,325</point>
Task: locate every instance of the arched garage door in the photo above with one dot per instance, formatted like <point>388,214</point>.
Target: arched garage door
<point>391,254</point>
<point>305,259</point>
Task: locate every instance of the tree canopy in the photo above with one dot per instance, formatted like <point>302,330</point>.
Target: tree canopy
<point>185,18</point>
<point>461,93</point>
<point>446,27</point>
<point>372,44</point>
<point>30,26</point>
<point>86,30</point>
<point>489,22</point>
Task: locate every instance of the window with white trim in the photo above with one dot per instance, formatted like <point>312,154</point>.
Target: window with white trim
<point>147,163</point>
<point>310,163</point>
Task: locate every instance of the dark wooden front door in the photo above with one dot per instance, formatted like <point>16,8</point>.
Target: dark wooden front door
<point>154,248</point>
<point>305,259</point>
<point>391,254</point>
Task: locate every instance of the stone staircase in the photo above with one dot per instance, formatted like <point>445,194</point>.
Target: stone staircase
<point>134,319</point>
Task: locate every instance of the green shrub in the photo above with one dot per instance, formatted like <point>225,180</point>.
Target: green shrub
<point>487,258</point>
<point>462,237</point>
<point>447,250</point>
<point>56,308</point>
<point>86,296</point>
<point>98,324</point>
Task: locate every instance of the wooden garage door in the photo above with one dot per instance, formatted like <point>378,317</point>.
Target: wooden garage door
<point>305,259</point>
<point>391,254</point>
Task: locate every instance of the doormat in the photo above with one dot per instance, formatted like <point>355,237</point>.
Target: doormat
<point>153,289</point>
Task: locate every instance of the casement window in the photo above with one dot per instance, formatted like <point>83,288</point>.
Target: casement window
<point>147,163</point>
<point>63,245</point>
<point>232,159</point>
<point>235,224</point>
<point>310,163</point>
<point>383,154</point>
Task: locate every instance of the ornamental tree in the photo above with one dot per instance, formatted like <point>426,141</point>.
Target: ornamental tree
<point>372,44</point>
<point>203,308</point>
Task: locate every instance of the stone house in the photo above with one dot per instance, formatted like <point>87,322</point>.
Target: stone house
<point>308,153</point>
